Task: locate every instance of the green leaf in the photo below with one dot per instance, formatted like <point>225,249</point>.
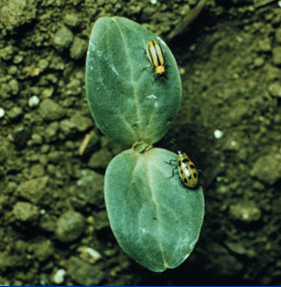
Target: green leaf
<point>128,101</point>
<point>155,219</point>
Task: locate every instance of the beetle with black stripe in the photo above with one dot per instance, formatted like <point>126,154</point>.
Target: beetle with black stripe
<point>156,57</point>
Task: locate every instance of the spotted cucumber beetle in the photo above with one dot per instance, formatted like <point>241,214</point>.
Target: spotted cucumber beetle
<point>155,55</point>
<point>189,175</point>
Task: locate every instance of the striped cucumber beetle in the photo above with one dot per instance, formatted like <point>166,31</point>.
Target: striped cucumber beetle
<point>155,55</point>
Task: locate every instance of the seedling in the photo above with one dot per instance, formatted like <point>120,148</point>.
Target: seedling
<point>154,219</point>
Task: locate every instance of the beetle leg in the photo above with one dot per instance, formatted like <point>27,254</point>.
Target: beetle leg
<point>173,172</point>
<point>170,162</point>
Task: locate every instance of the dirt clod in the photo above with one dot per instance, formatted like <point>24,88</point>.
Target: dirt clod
<point>83,273</point>
<point>69,226</point>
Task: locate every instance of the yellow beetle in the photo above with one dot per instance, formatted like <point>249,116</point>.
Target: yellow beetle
<point>189,175</point>
<point>156,58</point>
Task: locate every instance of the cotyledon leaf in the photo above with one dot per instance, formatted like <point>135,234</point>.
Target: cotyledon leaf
<point>127,100</point>
<point>155,219</point>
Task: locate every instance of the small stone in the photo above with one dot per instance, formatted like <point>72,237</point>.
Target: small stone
<point>16,13</point>
<point>47,93</point>
<point>89,254</point>
<point>51,132</point>
<point>58,277</point>
<point>43,64</point>
<point>67,127</point>
<point>12,70</point>
<point>62,39</point>
<point>73,88</point>
<point>264,45</point>
<point>25,212</point>
<point>276,54</point>
<point>236,247</point>
<point>31,71</point>
<point>258,62</point>
<point>220,262</point>
<point>33,189</point>
<point>47,223</point>
<point>14,87</point>
<point>36,139</point>
<point>218,134</point>
<point>245,211</point>
<point>268,168</point>
<point>275,89</point>
<point>50,110</point>
<point>33,101</point>
<point>11,187</point>
<point>15,112</point>
<point>18,59</point>
<point>6,150</point>
<point>278,35</point>
<point>271,72</point>
<point>43,250</point>
<point>7,53</point>
<point>78,48</point>
<point>20,137</point>
<point>8,260</point>
<point>81,122</point>
<point>71,20</point>
<point>100,159</point>
<point>37,170</point>
<point>56,156</point>
<point>2,113</point>
<point>83,273</point>
<point>70,226</point>
<point>90,187</point>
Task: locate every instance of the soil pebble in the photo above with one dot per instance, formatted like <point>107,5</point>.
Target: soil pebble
<point>70,226</point>
<point>33,101</point>
<point>275,89</point>
<point>2,112</point>
<point>276,53</point>
<point>246,212</point>
<point>89,254</point>
<point>267,168</point>
<point>90,187</point>
<point>236,247</point>
<point>58,277</point>
<point>83,273</point>
<point>81,123</point>
<point>278,35</point>
<point>264,45</point>
<point>25,212</point>
<point>221,263</point>
<point>7,52</point>
<point>15,112</point>
<point>51,132</point>
<point>8,261</point>
<point>20,137</point>
<point>62,38</point>
<point>50,110</point>
<point>43,249</point>
<point>78,48</point>
<point>100,159</point>
<point>16,13</point>
<point>33,190</point>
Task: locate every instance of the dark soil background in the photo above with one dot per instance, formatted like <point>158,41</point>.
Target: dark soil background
<point>53,223</point>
